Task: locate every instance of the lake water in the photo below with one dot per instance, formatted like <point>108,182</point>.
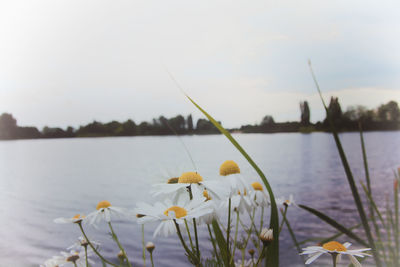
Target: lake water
<point>41,180</point>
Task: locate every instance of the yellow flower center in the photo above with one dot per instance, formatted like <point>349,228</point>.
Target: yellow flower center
<point>245,192</point>
<point>229,167</point>
<point>190,178</point>
<point>206,195</point>
<point>334,246</point>
<point>257,186</point>
<point>103,204</point>
<point>78,216</point>
<point>173,180</point>
<point>179,212</point>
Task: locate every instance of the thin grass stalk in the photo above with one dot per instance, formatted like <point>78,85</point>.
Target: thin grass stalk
<point>283,218</point>
<point>273,251</point>
<point>333,237</point>
<point>369,190</point>
<point>374,206</point>
<point>350,178</point>
<point>391,219</point>
<point>396,211</point>
<point>389,223</point>
<point>335,224</point>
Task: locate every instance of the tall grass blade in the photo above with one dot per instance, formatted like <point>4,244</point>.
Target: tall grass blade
<point>219,237</point>
<point>350,178</point>
<point>272,257</point>
<point>331,238</point>
<point>335,224</point>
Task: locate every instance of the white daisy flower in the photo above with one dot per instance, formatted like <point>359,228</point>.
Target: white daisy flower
<point>104,211</point>
<point>233,178</point>
<point>286,201</point>
<point>179,185</point>
<point>76,219</point>
<point>169,213</point>
<point>259,195</point>
<point>71,258</point>
<point>335,248</point>
<point>246,263</point>
<point>53,262</point>
<point>240,202</point>
<point>213,204</point>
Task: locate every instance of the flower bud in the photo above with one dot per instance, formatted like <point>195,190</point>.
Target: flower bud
<point>150,247</point>
<point>266,236</point>
<point>251,252</point>
<point>72,258</point>
<point>84,242</point>
<point>121,255</point>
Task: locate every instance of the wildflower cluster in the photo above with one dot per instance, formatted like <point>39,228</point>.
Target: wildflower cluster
<point>230,206</point>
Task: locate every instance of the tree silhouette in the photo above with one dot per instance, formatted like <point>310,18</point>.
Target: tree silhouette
<point>8,126</point>
<point>305,113</point>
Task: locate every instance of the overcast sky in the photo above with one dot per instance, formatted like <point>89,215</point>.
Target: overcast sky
<point>71,62</point>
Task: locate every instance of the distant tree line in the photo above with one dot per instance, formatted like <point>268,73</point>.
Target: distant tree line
<point>161,126</point>
<point>385,117</point>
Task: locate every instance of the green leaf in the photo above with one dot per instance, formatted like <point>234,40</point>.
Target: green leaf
<point>335,224</point>
<point>221,242</point>
<point>273,249</point>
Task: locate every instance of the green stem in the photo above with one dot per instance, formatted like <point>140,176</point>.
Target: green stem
<point>213,244</point>
<point>261,255</point>
<point>119,244</point>
<point>236,233</point>
<point>196,237</point>
<point>189,235</point>
<point>144,247</point>
<point>190,253</point>
<point>252,221</point>
<point>334,259</point>
<point>86,258</point>
<point>194,225</point>
<point>283,219</point>
<point>151,259</point>
<point>228,229</point>
<point>292,235</point>
<point>261,219</point>
<point>93,248</point>
<point>75,264</point>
